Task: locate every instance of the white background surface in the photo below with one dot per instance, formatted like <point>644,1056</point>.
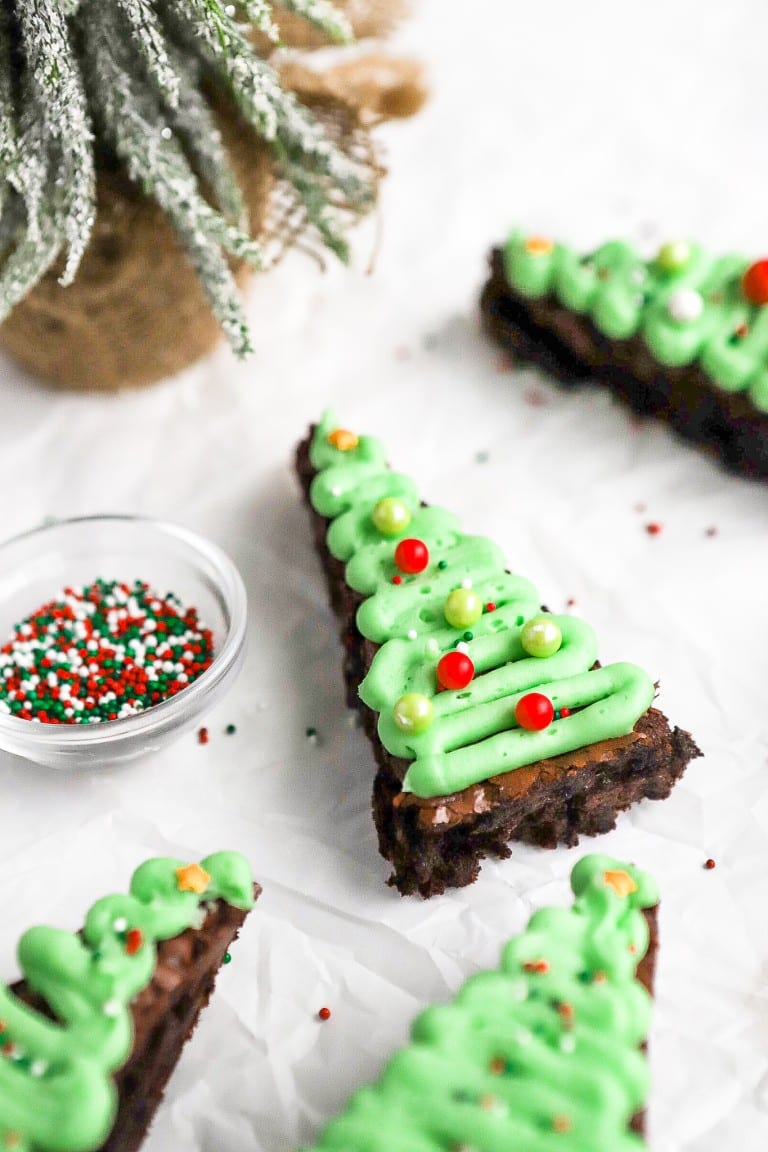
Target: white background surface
<point>587,121</point>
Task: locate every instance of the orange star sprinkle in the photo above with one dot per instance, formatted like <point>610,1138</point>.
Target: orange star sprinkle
<point>193,878</point>
<point>497,1066</point>
<point>621,882</point>
<point>343,440</point>
<point>561,1124</point>
<point>539,246</point>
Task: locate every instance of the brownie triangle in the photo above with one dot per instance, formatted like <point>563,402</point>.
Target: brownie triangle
<point>434,832</point>
<point>94,1031</point>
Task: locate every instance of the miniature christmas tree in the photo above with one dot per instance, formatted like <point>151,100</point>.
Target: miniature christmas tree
<point>85,82</point>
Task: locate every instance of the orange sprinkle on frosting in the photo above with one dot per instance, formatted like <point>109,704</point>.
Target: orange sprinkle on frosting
<point>561,1123</point>
<point>567,1014</point>
<point>621,882</point>
<point>343,440</point>
<point>537,966</point>
<point>192,878</point>
<point>539,246</point>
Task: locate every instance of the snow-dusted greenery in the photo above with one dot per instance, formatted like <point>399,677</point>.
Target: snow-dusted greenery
<point>128,78</point>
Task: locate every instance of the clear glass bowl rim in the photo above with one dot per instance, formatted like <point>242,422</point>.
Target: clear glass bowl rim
<point>232,590</point>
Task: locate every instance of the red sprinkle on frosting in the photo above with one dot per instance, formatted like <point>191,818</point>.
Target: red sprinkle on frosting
<point>134,939</point>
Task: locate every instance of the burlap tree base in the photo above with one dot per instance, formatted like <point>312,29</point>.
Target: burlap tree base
<point>136,312</point>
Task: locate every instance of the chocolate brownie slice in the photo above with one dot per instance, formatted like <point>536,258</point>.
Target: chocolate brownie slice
<point>682,338</point>
<point>435,836</point>
<point>545,1053</point>
<point>96,1028</point>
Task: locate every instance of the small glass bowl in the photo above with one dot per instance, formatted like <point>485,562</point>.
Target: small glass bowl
<point>34,567</point>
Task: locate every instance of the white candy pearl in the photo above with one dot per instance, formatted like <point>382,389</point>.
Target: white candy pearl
<point>685,305</point>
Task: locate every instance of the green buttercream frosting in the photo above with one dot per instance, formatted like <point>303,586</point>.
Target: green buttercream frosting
<point>543,1054</point>
<point>56,1088</point>
<point>474,734</point>
<point>692,309</point>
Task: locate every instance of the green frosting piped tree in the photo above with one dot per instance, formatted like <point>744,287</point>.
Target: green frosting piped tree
<point>544,1054</point>
<point>130,80</point>
<point>57,1092</point>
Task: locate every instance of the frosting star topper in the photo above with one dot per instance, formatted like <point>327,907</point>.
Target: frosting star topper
<point>192,878</point>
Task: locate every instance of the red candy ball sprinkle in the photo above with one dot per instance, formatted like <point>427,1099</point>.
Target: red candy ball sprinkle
<point>755,282</point>
<point>411,556</point>
<point>324,1013</point>
<point>534,712</point>
<point>455,671</point>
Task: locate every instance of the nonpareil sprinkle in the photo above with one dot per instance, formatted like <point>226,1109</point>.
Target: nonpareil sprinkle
<point>103,651</point>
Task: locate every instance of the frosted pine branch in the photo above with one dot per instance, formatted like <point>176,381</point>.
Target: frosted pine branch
<point>197,128</point>
<point>151,42</point>
<point>131,79</point>
<point>133,123</point>
<point>8,142</point>
<point>324,16</point>
<point>259,13</point>
<point>57,90</point>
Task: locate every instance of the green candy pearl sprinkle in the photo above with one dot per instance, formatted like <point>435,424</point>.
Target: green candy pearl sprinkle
<point>414,713</point>
<point>673,256</point>
<point>391,516</point>
<point>541,637</point>
<point>463,608</point>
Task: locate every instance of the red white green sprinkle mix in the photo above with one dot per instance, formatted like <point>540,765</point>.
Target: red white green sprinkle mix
<point>101,652</point>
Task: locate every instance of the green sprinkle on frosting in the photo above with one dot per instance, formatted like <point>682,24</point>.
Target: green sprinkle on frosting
<point>543,1054</point>
<point>56,1088</point>
<point>688,305</point>
<point>474,734</point>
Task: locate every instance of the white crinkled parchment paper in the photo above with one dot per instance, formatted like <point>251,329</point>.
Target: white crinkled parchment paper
<point>586,121</point>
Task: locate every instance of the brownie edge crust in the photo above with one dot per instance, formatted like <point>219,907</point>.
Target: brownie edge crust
<point>438,843</point>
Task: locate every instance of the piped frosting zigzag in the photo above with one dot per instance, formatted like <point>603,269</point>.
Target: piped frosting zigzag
<point>455,738</point>
<point>687,304</point>
<point>56,1087</point>
<point>543,1055</point>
